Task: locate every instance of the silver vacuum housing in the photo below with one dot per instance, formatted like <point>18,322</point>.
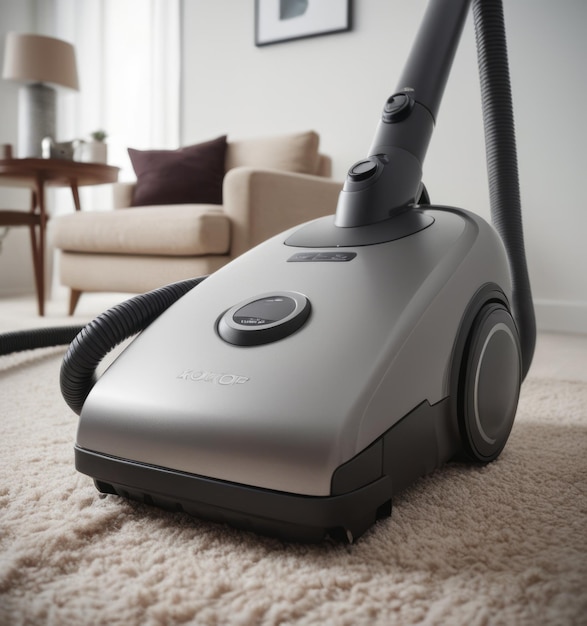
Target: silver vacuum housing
<point>287,365</point>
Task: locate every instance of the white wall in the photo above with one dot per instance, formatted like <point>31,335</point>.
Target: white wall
<point>337,85</point>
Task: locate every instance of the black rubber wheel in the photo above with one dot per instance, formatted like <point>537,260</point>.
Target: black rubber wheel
<point>490,381</point>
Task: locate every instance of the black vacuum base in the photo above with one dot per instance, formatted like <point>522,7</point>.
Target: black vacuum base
<point>362,488</point>
<point>290,517</point>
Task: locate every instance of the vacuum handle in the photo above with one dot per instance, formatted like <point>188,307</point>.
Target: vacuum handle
<point>390,178</point>
<point>428,66</point>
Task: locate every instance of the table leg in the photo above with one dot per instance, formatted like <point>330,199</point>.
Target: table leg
<point>38,244</point>
<point>75,194</point>
<point>38,258</point>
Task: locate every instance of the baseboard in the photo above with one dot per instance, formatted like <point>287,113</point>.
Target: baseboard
<point>561,316</point>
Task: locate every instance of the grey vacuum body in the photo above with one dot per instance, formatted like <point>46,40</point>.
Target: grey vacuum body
<point>299,388</point>
<point>301,398</point>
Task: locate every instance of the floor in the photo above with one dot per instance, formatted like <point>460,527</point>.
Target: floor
<point>558,356</point>
<point>20,312</point>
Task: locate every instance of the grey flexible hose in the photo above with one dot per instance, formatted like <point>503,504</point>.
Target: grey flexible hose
<point>502,164</point>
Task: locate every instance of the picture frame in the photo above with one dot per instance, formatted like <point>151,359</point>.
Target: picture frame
<point>277,21</point>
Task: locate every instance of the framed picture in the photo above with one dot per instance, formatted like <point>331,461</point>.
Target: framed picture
<point>284,20</point>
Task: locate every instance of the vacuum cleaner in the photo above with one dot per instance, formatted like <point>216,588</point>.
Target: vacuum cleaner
<point>297,390</point>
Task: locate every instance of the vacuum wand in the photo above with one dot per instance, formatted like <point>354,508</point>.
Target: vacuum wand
<point>428,66</point>
<point>390,178</point>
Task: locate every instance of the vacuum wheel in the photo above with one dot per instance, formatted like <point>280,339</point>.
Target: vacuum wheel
<point>490,382</point>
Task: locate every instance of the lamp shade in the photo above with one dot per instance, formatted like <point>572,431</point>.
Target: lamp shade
<point>39,59</point>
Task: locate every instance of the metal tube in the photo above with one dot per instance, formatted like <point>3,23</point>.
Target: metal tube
<point>429,62</point>
<point>390,178</point>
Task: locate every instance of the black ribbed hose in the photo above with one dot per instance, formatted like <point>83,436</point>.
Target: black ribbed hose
<point>100,336</point>
<point>20,340</point>
<point>502,163</point>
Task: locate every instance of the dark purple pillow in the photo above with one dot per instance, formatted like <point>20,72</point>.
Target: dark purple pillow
<point>193,174</point>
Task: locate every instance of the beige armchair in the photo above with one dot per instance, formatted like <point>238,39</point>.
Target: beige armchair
<point>270,185</point>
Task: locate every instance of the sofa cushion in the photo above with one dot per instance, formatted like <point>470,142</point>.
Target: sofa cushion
<point>175,230</point>
<point>189,175</point>
<point>293,153</point>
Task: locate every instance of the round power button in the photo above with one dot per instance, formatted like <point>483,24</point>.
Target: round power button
<point>264,318</point>
<point>397,108</point>
<point>363,170</point>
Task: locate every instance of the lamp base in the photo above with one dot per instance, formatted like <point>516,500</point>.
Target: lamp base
<point>36,120</point>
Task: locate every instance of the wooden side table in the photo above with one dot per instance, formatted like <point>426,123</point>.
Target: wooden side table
<point>36,174</point>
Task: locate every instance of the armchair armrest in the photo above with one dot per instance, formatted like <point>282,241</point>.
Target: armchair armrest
<point>122,194</point>
<point>262,203</point>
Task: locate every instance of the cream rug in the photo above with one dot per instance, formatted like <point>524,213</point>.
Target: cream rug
<point>501,544</point>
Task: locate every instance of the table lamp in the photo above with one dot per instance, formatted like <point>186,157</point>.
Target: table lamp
<point>41,63</point>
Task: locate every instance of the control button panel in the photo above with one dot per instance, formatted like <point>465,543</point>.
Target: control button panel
<point>328,256</point>
<point>397,108</point>
<point>265,311</point>
<point>264,318</point>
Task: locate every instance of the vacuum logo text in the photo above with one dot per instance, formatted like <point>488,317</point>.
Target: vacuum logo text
<point>213,377</point>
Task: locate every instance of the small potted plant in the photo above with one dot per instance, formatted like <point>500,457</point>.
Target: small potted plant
<point>96,150</point>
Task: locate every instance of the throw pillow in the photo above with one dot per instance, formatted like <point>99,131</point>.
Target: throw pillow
<point>190,175</point>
